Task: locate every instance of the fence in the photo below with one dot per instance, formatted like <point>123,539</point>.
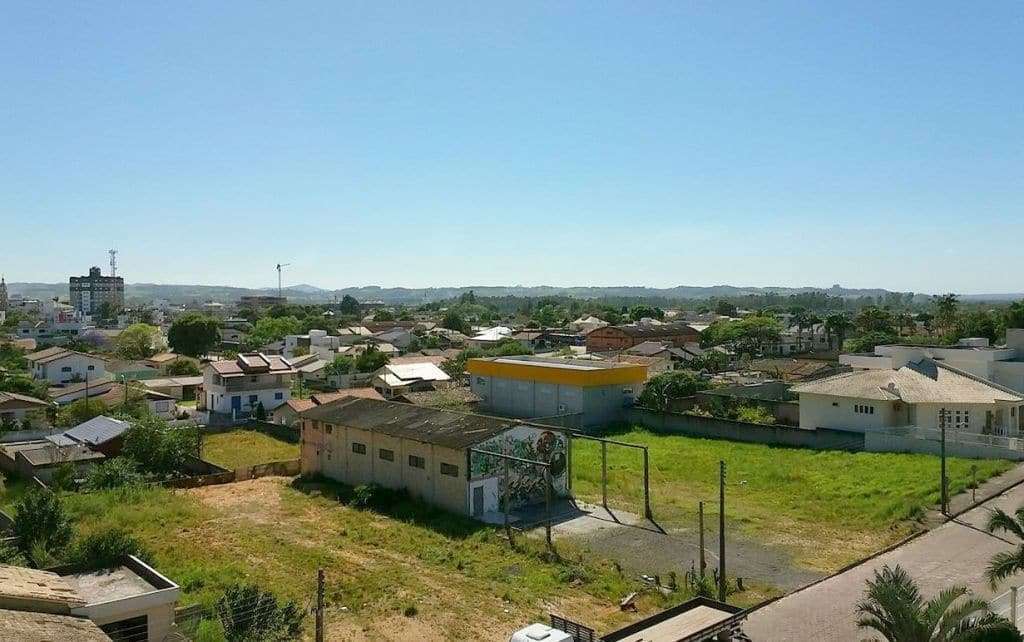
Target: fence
<point>1008,606</point>
<point>287,468</point>
<point>715,428</point>
<point>914,439</point>
<point>278,431</point>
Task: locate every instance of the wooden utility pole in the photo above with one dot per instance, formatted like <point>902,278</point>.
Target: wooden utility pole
<point>647,485</point>
<point>700,522</point>
<point>320,605</point>
<point>721,531</point>
<point>943,414</point>
<point>508,530</point>
<point>604,474</point>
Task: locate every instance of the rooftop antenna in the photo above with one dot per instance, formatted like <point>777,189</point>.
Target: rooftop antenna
<point>279,266</point>
<point>113,262</point>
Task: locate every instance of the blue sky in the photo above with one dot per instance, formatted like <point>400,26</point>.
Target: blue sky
<point>698,143</point>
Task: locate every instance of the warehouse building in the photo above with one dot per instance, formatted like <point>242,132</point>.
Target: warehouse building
<point>624,337</point>
<point>430,454</point>
<point>528,386</point>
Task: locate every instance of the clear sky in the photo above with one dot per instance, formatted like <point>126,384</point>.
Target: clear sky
<point>872,144</point>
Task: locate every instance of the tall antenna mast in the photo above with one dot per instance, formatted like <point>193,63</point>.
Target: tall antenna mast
<point>113,262</point>
<point>279,266</point>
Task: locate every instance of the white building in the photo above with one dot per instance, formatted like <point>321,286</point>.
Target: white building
<point>238,386</point>
<point>910,395</point>
<point>61,366</point>
<point>317,342</point>
<point>392,380</point>
<point>1002,365</point>
<point>584,325</point>
<point>488,337</point>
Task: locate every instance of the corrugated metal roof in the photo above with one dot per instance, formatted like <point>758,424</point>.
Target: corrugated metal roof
<point>428,425</point>
<point>98,430</point>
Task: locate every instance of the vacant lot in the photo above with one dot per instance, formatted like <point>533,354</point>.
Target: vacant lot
<point>414,573</point>
<point>827,508</point>
<point>240,448</point>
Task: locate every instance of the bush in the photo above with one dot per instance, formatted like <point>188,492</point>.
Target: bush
<point>362,495</point>
<point>755,415</point>
<point>113,473</point>
<point>662,389</point>
<point>248,613</point>
<point>42,523</point>
<point>106,549</point>
<point>158,448</point>
<point>64,477</point>
<point>261,412</point>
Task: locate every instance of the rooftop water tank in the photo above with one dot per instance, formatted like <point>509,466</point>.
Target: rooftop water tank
<point>540,633</point>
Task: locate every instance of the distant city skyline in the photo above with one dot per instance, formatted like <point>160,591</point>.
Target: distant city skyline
<point>761,145</point>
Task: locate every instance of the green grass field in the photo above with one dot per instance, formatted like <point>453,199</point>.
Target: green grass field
<point>828,507</point>
<point>240,448</point>
<point>461,577</point>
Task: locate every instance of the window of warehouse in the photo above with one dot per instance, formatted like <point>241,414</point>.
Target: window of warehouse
<point>449,469</point>
<point>387,455</point>
<point>417,462</point>
<point>358,448</point>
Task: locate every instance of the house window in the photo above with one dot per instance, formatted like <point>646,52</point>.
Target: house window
<point>254,379</point>
<point>864,410</point>
<point>330,429</point>
<point>417,462</point>
<point>253,399</point>
<point>91,368</point>
<point>278,395</point>
<point>450,470</point>
<point>386,455</point>
<point>358,448</point>
<point>66,369</point>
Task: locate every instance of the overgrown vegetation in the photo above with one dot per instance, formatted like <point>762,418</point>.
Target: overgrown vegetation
<point>240,448</point>
<point>828,507</point>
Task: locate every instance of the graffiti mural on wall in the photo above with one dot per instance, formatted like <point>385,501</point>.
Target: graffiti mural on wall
<point>526,482</point>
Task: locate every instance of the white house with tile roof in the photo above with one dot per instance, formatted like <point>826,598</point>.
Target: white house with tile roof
<point>911,395</point>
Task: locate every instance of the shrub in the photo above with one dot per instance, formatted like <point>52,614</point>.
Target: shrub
<point>41,522</point>
<point>106,549</point>
<point>158,448</point>
<point>362,495</point>
<point>261,412</point>
<point>64,477</point>
<point>113,473</point>
<point>248,613</point>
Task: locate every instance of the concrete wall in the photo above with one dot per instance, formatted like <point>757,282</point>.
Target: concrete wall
<point>327,449</point>
<point>74,367</point>
<point>521,398</point>
<point>826,411</point>
<point>891,443</point>
<point>712,428</point>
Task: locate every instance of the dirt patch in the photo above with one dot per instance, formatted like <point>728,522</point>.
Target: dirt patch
<point>258,500</point>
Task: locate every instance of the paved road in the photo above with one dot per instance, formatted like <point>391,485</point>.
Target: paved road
<point>956,552</point>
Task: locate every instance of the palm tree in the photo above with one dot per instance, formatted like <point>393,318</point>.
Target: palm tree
<point>836,325</point>
<point>893,606</point>
<point>1006,563</point>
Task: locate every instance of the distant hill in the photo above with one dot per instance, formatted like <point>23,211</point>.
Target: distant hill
<point>304,293</point>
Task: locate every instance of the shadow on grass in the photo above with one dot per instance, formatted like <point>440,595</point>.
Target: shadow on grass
<point>395,504</point>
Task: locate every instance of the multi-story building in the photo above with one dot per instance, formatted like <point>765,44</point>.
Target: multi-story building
<point>90,293</point>
<point>1002,365</point>
<point>3,295</point>
<point>240,385</point>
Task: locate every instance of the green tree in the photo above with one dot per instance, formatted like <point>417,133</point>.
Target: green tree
<point>340,365</point>
<point>158,448</point>
<point>978,323</point>
<point>836,327</point>
<point>349,306</point>
<point>249,613</point>
<point>947,307</point>
<point>873,319</point>
<point>107,311</point>
<point>1015,315</point>
<point>662,389</point>
<point>371,360</point>
<point>454,321</point>
<point>271,329</point>
<point>138,341</point>
<point>79,411</point>
<point>383,315</point>
<point>867,341</point>
<point>182,368</point>
<point>193,334</point>
<point>893,606</point>
<point>725,308</point>
<point>638,312</point>
<point>41,524</point>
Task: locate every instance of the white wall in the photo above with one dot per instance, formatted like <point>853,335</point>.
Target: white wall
<point>70,368</point>
<point>826,411</point>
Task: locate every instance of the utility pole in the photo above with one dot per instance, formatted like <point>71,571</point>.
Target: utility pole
<point>700,522</point>
<point>279,266</point>
<point>721,531</point>
<point>943,491</point>
<point>320,605</point>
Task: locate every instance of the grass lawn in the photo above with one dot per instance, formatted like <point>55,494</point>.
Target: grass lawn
<point>240,448</point>
<point>828,507</point>
<point>415,573</point>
